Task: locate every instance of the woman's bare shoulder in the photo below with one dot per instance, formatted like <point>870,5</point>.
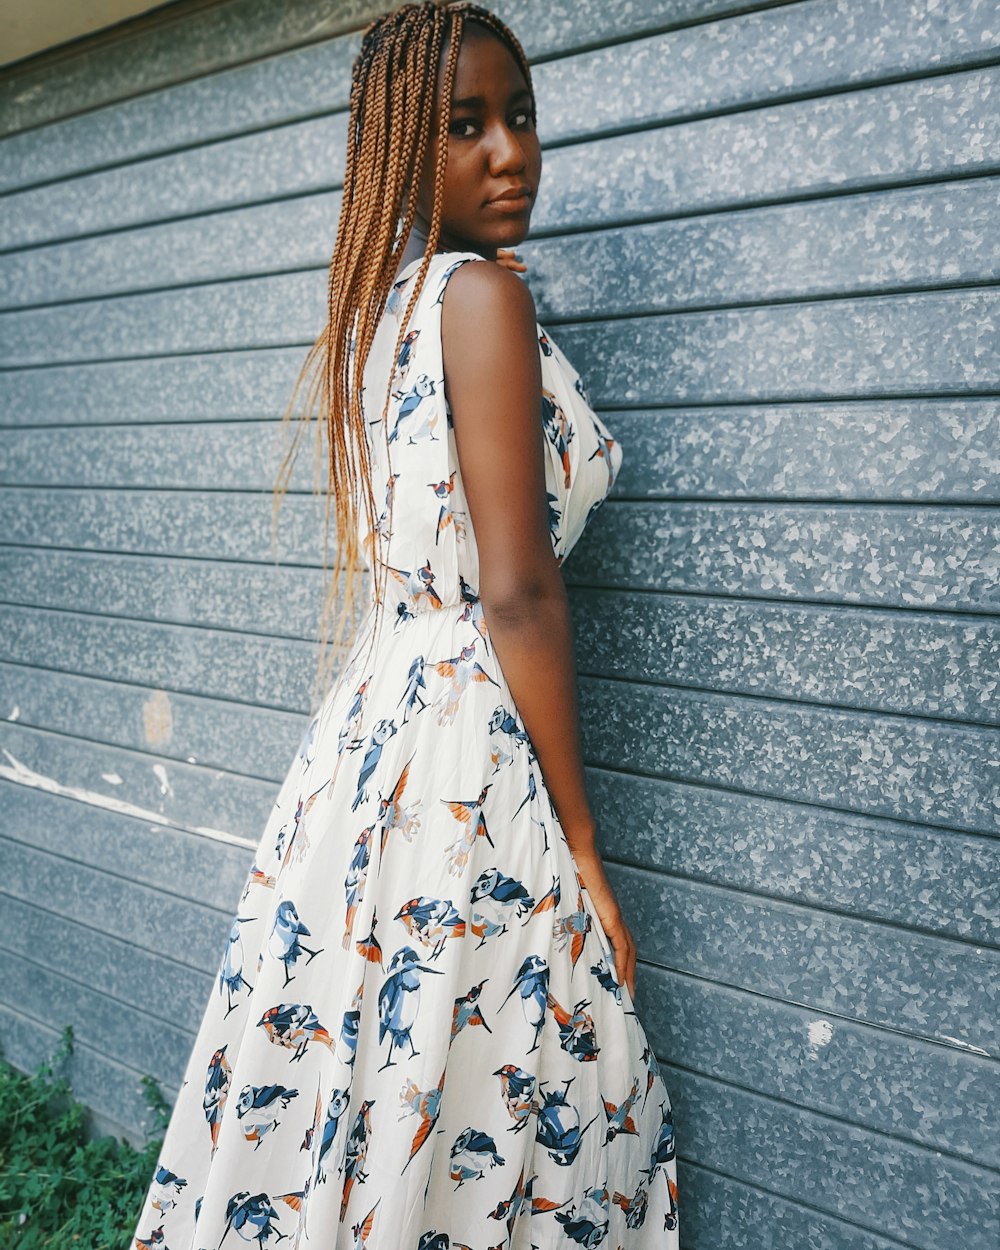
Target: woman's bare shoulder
<point>488,299</point>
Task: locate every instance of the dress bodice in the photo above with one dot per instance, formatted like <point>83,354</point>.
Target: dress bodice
<point>430,545</point>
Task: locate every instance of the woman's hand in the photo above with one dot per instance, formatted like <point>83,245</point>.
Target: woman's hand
<point>506,260</point>
<point>602,895</point>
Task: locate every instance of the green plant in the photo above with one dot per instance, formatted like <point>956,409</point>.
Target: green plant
<point>57,1188</point>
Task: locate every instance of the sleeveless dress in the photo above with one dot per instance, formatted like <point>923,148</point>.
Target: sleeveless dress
<point>416,1039</point>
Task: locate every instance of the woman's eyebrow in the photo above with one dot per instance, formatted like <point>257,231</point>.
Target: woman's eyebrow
<point>469,100</point>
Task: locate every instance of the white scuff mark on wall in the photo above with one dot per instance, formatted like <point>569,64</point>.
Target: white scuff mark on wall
<point>160,773</point>
<point>112,779</point>
<point>219,835</point>
<point>820,1033</point>
<point>957,1041</point>
<point>22,775</point>
<point>15,714</point>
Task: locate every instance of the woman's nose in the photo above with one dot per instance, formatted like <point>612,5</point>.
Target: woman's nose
<point>507,152</point>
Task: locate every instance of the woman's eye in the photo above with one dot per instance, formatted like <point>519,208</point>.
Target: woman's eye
<point>525,114</point>
<point>460,124</point>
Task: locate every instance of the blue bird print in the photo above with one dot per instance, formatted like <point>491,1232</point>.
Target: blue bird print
<point>422,389</point>
<point>472,611</point>
<point>252,1217</point>
<point>523,1195</point>
<point>469,814</point>
<point>382,526</point>
<point>447,516</point>
<point>426,1105</point>
<point>380,735</point>
<point>559,432</point>
<point>166,1187</point>
<point>299,841</point>
<point>369,946</point>
<point>460,671</point>
<point>587,1224</point>
<point>495,897</point>
<point>532,986</point>
<point>663,1150</point>
<point>347,1043</point>
<point>431,921</point>
<point>634,1206</point>
<point>357,1152</point>
<point>231,976</point>
<point>605,975</point>
<point>558,1129</point>
<point>217,1080</point>
<point>505,722</point>
<point>354,881</point>
<point>603,452</point>
<point>473,1153</point>
<point>257,1107</point>
<point>395,815</point>
<point>406,352</point>
<point>517,1088</point>
<point>573,927</point>
<point>620,1117</point>
<point>467,1011</point>
<point>577,1035</point>
<point>363,1230</point>
<point>336,1109</point>
<point>294,1025</point>
<point>285,941</point>
<point>418,584</point>
<point>399,1000</point>
<point>414,684</point>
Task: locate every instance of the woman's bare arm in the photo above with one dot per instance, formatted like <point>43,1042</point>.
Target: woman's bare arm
<point>493,385</point>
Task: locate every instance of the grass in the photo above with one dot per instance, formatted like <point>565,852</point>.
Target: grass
<point>60,1188</point>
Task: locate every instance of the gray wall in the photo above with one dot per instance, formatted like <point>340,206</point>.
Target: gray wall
<point>767,236</point>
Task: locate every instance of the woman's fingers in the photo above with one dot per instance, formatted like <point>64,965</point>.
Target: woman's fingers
<point>507,258</point>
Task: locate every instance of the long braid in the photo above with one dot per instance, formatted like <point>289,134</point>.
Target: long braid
<point>394,81</point>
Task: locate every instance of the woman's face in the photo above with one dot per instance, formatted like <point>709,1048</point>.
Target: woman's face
<point>492,149</point>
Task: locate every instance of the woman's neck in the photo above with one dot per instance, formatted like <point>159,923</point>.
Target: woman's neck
<point>416,245</point>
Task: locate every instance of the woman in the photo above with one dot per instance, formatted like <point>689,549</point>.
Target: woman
<point>422,1033</point>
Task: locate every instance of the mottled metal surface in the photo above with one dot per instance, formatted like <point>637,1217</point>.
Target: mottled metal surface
<point>710,67</point>
<point>900,556</point>
<point>933,665</point>
<point>186,779</point>
<point>901,767</point>
<point>876,973</point>
<point>228,34</point>
<point>171,52</point>
<point>899,872</point>
<point>886,240</point>
<point>899,132</point>
<point>939,1096</point>
<point>729,1214</point>
<point>918,1197</point>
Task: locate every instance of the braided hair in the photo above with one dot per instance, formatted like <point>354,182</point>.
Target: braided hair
<point>393,92</point>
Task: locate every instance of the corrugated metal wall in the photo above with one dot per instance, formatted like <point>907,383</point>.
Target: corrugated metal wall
<point>767,236</point>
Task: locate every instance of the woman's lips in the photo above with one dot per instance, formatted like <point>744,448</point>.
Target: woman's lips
<point>516,205</point>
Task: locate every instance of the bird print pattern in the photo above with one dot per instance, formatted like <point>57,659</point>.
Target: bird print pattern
<point>416,1039</point>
